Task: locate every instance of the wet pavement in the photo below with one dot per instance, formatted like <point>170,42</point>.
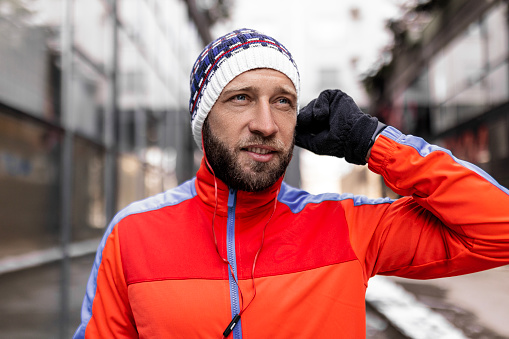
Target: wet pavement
<point>478,303</point>
<point>435,298</point>
<point>379,327</point>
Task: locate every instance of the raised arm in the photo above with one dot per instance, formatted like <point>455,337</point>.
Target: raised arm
<point>454,218</point>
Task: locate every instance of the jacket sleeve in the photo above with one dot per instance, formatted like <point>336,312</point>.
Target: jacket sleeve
<point>106,312</point>
<point>453,218</point>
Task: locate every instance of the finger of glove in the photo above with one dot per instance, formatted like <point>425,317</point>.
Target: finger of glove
<point>307,123</point>
<point>322,105</point>
<point>305,116</point>
<point>344,114</point>
<point>343,104</point>
<point>316,143</point>
<point>318,109</point>
<point>315,116</point>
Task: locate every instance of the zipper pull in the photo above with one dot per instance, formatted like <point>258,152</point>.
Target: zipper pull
<point>231,198</point>
<point>231,325</point>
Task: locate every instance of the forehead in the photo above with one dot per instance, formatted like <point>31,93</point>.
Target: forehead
<point>261,78</point>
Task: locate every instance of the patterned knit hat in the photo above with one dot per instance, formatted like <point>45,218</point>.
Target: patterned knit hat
<point>225,58</point>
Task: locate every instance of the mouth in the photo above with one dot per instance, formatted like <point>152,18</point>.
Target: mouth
<point>260,153</point>
<point>258,150</point>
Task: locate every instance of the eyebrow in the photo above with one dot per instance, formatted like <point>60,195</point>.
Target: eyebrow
<point>279,89</point>
<point>231,90</point>
<point>287,91</point>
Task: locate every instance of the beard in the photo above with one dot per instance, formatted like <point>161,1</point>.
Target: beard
<point>227,166</point>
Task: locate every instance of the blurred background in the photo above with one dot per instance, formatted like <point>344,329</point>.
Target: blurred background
<point>94,115</point>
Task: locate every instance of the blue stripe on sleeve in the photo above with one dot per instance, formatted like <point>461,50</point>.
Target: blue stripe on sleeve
<point>172,197</point>
<point>297,199</point>
<point>425,148</point>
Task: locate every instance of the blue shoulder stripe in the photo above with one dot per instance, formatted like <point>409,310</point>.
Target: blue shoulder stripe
<point>425,148</point>
<point>171,197</point>
<point>297,199</point>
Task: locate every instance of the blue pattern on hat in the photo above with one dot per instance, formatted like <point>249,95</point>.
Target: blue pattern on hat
<point>221,49</point>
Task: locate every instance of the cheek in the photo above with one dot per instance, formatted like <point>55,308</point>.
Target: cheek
<point>287,127</point>
<point>224,127</point>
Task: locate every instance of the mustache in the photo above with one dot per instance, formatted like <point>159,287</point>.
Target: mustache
<point>271,142</point>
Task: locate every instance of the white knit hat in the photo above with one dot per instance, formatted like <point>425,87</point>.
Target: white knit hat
<point>227,57</point>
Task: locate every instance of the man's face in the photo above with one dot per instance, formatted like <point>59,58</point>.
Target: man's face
<point>248,135</point>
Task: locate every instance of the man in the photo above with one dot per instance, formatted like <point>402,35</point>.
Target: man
<point>237,253</point>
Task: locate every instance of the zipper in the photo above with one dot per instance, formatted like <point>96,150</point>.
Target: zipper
<point>232,259</point>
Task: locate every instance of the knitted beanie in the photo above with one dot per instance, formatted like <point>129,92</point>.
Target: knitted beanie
<point>227,57</point>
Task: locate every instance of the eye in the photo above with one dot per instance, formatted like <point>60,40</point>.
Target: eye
<point>284,103</point>
<point>239,97</point>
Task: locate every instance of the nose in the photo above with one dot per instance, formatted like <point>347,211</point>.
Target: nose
<point>263,122</point>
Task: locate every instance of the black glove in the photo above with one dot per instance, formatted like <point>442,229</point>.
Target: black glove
<point>332,124</point>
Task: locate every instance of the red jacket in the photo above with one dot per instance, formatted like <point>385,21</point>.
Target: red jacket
<point>157,273</point>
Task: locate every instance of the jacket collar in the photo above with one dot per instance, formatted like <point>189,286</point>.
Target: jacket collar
<point>246,202</point>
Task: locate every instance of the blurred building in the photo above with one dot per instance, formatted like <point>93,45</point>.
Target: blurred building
<point>93,116</point>
<point>447,79</point>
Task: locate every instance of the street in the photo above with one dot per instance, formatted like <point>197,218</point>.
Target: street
<point>478,303</point>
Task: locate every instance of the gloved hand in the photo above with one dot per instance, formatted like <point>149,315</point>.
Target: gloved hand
<point>332,124</point>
